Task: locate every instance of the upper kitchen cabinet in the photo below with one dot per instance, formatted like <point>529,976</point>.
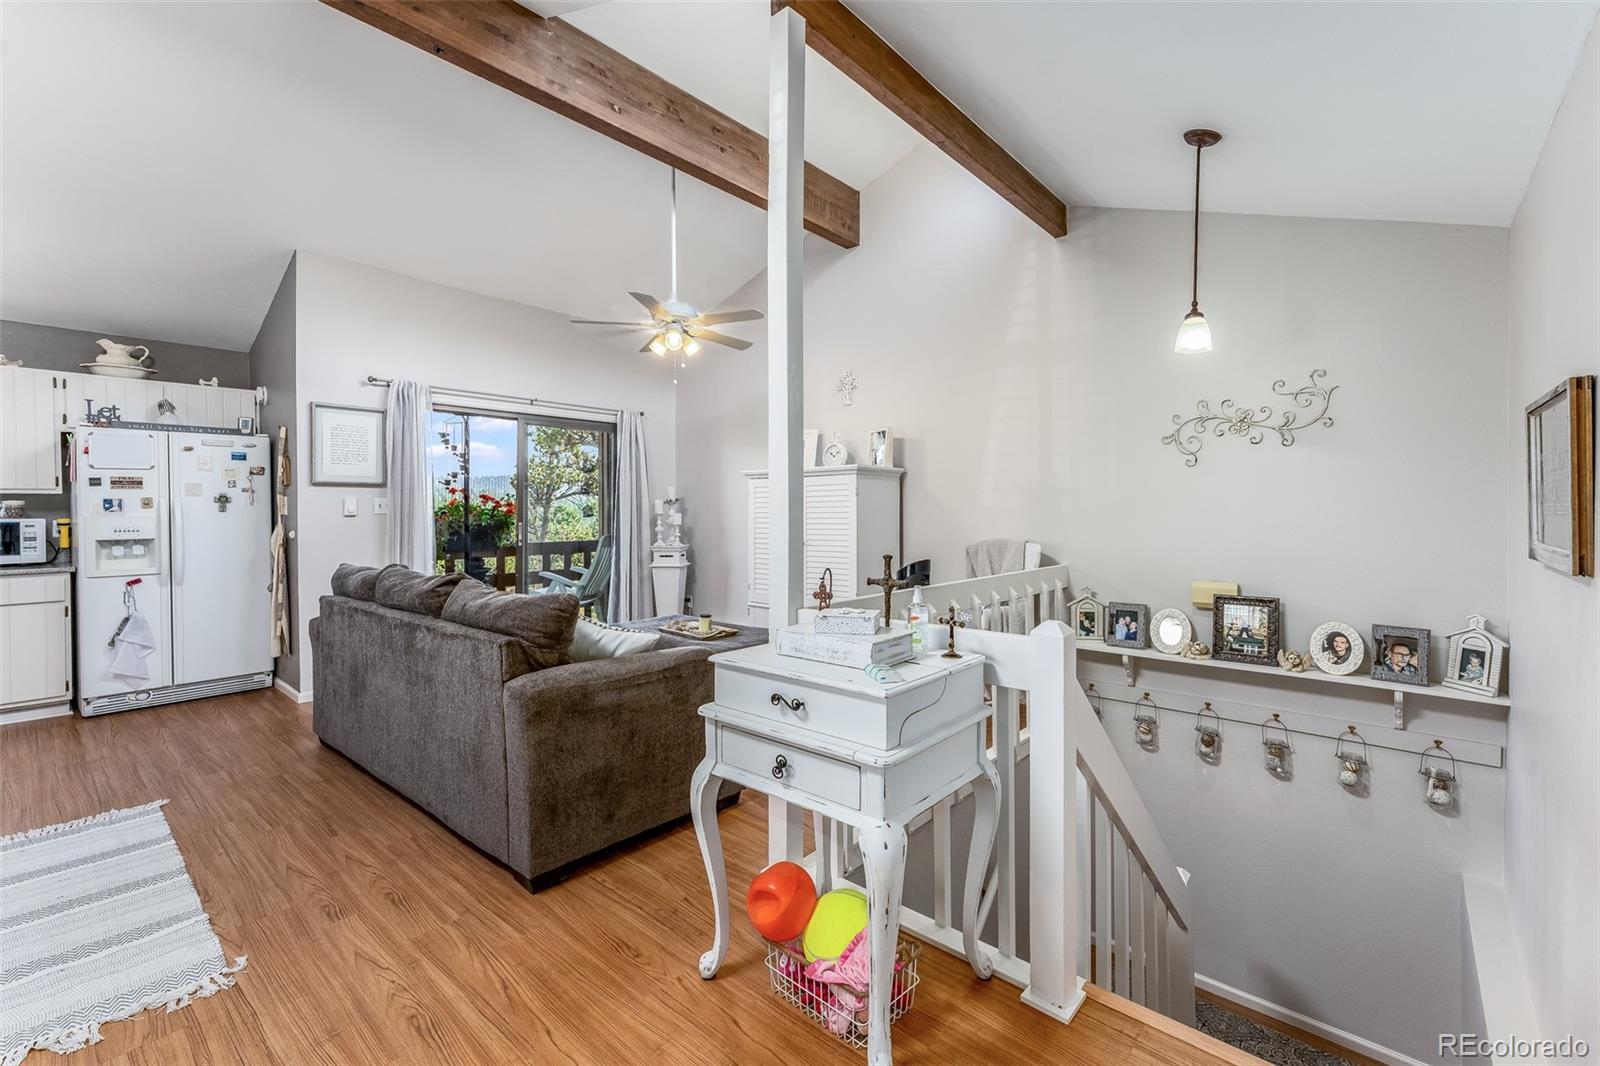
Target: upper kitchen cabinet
<point>31,406</point>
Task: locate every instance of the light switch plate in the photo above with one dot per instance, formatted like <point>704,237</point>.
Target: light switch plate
<point>380,505</point>
<point>350,507</point>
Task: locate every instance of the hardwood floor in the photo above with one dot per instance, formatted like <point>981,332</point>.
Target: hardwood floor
<point>376,936</point>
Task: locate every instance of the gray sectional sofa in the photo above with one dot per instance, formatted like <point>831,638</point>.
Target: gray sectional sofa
<point>536,760</point>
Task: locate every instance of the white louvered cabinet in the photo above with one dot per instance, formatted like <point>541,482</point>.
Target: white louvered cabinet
<point>852,519</point>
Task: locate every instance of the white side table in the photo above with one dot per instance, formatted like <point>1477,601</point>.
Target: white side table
<point>669,574</point>
<point>831,740</point>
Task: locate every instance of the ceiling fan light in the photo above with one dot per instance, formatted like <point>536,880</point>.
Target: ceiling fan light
<point>1194,334</point>
<point>674,338</point>
<point>691,346</point>
<point>658,346</point>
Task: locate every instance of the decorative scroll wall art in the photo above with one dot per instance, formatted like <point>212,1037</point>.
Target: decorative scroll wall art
<point>1311,402</point>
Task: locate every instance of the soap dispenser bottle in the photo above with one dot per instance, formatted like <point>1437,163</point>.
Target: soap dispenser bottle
<point>917,621</point>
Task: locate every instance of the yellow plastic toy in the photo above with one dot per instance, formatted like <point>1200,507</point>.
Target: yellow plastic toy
<point>839,916</point>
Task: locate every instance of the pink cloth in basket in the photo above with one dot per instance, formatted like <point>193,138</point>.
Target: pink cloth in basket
<point>852,968</point>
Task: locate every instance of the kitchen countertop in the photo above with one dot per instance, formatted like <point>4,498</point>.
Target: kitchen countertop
<point>62,565</point>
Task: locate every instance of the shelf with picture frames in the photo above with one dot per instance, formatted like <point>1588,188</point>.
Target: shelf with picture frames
<point>1132,656</point>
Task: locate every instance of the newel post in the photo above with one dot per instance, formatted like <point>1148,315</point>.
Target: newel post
<point>1054,986</point>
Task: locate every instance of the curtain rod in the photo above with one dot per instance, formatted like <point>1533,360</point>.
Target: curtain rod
<point>531,401</point>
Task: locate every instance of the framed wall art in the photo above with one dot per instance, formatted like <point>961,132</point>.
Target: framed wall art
<point>1560,441</point>
<point>1245,629</point>
<point>1337,648</point>
<point>1128,625</point>
<point>347,445</point>
<point>1400,654</point>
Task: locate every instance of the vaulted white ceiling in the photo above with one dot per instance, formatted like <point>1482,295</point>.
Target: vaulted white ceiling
<point>162,160</point>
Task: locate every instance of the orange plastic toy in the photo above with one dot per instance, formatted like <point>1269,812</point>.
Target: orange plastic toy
<point>780,901</point>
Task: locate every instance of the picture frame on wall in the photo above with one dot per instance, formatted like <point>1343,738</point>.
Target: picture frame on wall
<point>1128,625</point>
<point>1246,629</point>
<point>1400,655</point>
<point>811,448</point>
<point>1560,448</point>
<point>347,445</point>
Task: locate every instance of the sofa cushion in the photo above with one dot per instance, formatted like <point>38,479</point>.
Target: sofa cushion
<point>596,640</point>
<point>544,622</point>
<point>356,582</point>
<point>406,590</point>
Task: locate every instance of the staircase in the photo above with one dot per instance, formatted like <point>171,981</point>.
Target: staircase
<point>1101,898</point>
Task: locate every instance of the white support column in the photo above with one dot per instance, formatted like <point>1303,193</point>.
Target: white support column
<point>786,125</point>
<point>1053,983</point>
<point>785,275</point>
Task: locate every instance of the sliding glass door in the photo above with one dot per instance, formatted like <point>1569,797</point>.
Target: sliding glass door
<point>520,497</point>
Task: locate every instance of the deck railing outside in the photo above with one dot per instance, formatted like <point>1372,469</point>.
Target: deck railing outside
<point>498,566</point>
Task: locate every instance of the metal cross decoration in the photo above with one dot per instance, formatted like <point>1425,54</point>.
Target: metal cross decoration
<point>847,387</point>
<point>954,620</point>
<point>889,583</point>
<point>824,593</point>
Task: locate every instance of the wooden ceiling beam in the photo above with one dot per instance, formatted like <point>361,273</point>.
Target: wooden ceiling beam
<point>563,69</point>
<point>834,32</point>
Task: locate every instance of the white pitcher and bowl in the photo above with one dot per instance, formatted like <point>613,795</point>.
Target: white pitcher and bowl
<point>118,361</point>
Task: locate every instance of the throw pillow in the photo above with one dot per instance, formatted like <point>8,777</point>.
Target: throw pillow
<point>544,622</point>
<point>596,640</point>
<point>406,590</point>
<point>356,582</point>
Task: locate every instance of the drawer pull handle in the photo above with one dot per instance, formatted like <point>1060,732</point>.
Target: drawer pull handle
<point>780,766</point>
<point>795,706</point>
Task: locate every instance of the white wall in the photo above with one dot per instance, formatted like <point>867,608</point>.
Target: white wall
<point>1553,794</point>
<point>355,320</point>
<point>1030,382</point>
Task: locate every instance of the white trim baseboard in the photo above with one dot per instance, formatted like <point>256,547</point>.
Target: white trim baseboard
<point>1310,1025</point>
<point>34,714</point>
<point>289,690</point>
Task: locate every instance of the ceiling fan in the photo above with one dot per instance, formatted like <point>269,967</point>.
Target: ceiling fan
<point>675,326</point>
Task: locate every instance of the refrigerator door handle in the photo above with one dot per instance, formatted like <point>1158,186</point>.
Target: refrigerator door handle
<point>177,539</point>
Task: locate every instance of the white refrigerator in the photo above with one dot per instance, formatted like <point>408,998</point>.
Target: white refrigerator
<point>173,565</point>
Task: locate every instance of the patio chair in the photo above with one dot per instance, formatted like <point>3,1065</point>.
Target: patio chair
<point>591,584</point>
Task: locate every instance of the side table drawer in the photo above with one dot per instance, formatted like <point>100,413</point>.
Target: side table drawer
<point>804,771</point>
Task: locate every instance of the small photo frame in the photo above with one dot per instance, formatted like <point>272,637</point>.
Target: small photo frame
<point>347,445</point>
<point>1087,616</point>
<point>1560,436</point>
<point>1337,648</point>
<point>1245,629</point>
<point>811,448</point>
<point>1128,625</point>
<point>1171,631</point>
<point>1473,658</point>
<point>247,424</point>
<point>880,447</point>
<point>1400,655</point>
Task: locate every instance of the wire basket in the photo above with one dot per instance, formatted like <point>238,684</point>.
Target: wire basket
<point>821,1001</point>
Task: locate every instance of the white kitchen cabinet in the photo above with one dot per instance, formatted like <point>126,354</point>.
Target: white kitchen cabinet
<point>35,641</point>
<point>30,442</point>
<point>852,519</point>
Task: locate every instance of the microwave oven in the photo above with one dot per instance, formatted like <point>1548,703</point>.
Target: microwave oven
<point>22,540</point>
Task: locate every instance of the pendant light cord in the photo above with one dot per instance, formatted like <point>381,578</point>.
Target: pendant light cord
<point>674,296</point>
<point>1194,292</point>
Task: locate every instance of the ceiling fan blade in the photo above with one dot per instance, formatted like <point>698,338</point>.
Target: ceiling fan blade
<point>599,322</point>
<point>651,304</point>
<point>716,318</point>
<point>720,338</point>
<point>647,345</point>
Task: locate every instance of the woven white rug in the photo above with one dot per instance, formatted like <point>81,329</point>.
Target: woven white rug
<point>98,921</point>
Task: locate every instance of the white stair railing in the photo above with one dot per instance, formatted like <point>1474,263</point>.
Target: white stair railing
<point>1104,901</point>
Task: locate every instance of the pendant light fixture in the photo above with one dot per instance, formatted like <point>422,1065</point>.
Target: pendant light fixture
<point>1194,335</point>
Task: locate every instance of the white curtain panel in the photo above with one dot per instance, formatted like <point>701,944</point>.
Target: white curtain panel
<point>630,590</point>
<point>410,490</point>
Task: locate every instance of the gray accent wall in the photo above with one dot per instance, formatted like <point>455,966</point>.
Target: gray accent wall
<point>54,348</point>
<point>272,363</point>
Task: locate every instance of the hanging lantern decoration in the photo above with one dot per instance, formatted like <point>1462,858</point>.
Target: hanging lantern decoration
<point>1094,700</point>
<point>1440,793</point>
<point>1276,749</point>
<point>1146,726</point>
<point>1353,763</point>
<point>1208,734</point>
